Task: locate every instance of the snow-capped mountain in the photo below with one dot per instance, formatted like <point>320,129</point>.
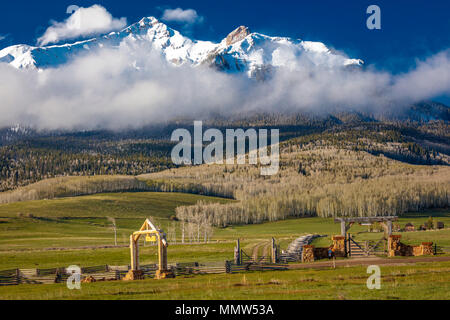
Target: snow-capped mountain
<point>240,51</point>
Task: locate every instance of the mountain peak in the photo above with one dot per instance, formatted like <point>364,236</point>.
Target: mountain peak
<point>233,54</point>
<point>148,21</point>
<point>238,35</point>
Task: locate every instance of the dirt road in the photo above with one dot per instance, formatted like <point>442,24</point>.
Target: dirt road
<point>325,264</point>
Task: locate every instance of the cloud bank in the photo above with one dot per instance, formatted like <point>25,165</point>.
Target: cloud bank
<point>431,78</point>
<point>83,22</point>
<point>133,87</point>
<point>188,16</point>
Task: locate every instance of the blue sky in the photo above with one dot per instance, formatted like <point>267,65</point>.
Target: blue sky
<point>410,29</point>
<point>407,61</point>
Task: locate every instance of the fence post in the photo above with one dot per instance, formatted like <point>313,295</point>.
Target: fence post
<point>274,252</point>
<point>61,273</point>
<point>349,246</point>
<point>227,266</point>
<point>238,253</point>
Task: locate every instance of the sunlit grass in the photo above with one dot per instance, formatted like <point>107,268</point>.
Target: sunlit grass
<point>423,281</point>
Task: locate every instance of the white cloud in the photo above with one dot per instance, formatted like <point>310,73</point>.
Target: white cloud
<point>5,37</point>
<point>83,22</point>
<point>430,78</point>
<point>105,90</point>
<point>188,16</point>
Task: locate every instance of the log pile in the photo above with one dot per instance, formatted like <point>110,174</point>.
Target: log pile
<point>396,248</point>
<point>308,253</point>
<point>339,246</point>
<point>427,249</point>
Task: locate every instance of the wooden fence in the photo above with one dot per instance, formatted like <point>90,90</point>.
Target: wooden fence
<point>9,277</point>
<point>111,273</point>
<point>440,249</point>
<point>233,268</point>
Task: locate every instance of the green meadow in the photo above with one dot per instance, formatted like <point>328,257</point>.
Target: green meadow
<point>63,232</point>
<point>415,282</point>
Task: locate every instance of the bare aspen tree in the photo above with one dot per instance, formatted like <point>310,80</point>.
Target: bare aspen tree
<point>114,226</point>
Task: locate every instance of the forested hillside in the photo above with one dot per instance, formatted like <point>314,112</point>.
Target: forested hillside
<point>35,157</point>
<point>314,180</point>
<point>38,159</point>
<point>336,165</point>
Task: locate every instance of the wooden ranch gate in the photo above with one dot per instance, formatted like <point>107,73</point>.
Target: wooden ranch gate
<point>354,248</point>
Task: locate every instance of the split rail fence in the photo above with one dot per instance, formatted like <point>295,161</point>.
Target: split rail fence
<point>110,273</point>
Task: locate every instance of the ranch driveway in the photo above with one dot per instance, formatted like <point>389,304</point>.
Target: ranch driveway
<point>367,262</point>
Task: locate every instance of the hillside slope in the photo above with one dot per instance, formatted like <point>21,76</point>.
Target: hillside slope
<point>313,180</point>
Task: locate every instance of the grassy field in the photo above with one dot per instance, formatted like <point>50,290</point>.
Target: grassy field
<point>420,281</point>
<point>52,233</point>
<point>31,231</point>
<point>81,221</point>
<point>119,205</point>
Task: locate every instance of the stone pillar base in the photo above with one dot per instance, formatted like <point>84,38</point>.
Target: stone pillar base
<point>89,280</point>
<point>134,275</point>
<point>164,275</point>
